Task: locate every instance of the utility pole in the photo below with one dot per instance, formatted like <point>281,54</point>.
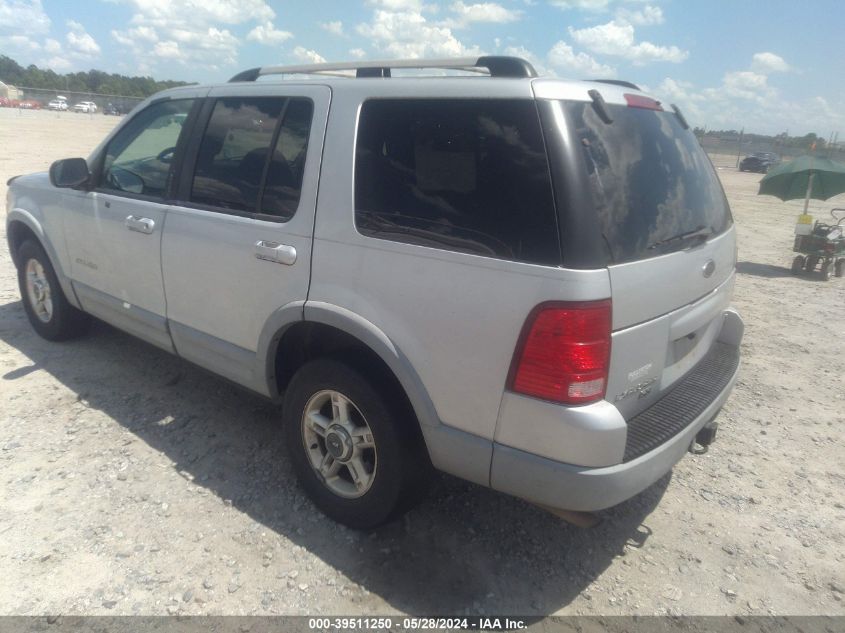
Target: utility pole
<point>739,147</point>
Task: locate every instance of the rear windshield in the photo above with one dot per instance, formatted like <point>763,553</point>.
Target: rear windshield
<point>654,188</point>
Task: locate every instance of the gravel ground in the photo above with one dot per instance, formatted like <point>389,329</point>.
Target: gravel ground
<point>134,483</point>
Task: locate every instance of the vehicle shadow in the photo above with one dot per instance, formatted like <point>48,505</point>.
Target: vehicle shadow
<point>465,549</point>
<point>774,272</point>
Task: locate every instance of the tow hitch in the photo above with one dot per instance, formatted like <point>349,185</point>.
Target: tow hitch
<point>704,438</point>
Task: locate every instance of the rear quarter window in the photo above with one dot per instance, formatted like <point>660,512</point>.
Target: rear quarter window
<point>466,175</point>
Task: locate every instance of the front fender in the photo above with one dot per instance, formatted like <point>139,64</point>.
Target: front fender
<point>33,221</point>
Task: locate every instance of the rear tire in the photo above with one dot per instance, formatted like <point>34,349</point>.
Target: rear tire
<point>47,308</point>
<point>797,264</point>
<point>354,448</point>
<point>839,268</point>
<point>827,268</point>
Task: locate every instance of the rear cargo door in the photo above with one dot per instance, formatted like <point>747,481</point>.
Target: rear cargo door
<point>670,240</point>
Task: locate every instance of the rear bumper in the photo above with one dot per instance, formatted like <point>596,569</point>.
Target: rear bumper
<point>567,486</point>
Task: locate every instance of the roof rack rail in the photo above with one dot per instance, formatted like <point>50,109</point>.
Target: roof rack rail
<point>618,82</point>
<point>495,65</point>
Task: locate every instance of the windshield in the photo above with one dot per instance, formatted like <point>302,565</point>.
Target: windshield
<point>655,190</point>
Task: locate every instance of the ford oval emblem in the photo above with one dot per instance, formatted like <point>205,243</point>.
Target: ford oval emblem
<point>709,268</point>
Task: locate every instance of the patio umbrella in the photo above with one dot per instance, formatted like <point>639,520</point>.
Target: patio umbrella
<point>805,177</point>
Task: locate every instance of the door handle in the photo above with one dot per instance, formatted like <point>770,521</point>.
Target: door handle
<point>275,252</point>
<point>142,225</point>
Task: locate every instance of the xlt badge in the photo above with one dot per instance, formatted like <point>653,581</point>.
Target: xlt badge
<point>642,389</point>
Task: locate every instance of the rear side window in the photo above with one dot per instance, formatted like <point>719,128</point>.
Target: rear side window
<point>463,175</point>
<point>651,181</point>
<point>237,170</point>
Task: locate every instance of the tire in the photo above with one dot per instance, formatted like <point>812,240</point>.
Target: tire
<point>811,263</point>
<point>797,264</point>
<point>47,308</point>
<point>393,472</point>
<point>839,267</point>
<point>826,269</point>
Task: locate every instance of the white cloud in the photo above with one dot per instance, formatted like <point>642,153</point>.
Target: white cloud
<point>539,65</point>
<point>617,39</point>
<point>405,32</point>
<point>268,34</point>
<point>23,15</point>
<point>769,63</point>
<point>647,16</point>
<point>746,84</point>
<point>490,12</point>
<point>358,53</point>
<point>577,65</point>
<point>397,5</point>
<point>80,42</point>
<point>169,13</point>
<point>335,27</point>
<point>194,32</point>
<point>21,24</point>
<point>58,63</point>
<point>305,55</point>
<point>596,6</point>
<point>52,46</point>
<point>745,99</point>
<point>19,43</point>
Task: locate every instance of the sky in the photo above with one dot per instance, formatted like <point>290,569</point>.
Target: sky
<point>767,66</point>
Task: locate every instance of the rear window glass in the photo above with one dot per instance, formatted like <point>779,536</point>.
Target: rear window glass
<point>650,180</point>
<point>463,175</point>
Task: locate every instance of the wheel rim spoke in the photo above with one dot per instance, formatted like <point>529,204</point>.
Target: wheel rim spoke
<point>340,408</point>
<point>317,422</point>
<point>329,467</point>
<point>362,437</point>
<point>358,472</point>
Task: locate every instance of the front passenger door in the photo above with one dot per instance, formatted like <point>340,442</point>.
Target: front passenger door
<point>114,233</point>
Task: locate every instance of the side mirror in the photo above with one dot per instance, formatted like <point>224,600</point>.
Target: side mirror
<point>69,172</point>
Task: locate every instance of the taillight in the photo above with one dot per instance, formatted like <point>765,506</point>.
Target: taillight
<point>564,352</point>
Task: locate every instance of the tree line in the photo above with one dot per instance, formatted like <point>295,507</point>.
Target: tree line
<point>804,142</point>
<point>91,81</point>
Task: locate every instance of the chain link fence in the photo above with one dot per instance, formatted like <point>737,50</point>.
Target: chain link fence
<point>72,101</point>
<point>727,152</point>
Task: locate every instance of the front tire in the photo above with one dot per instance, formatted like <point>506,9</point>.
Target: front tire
<point>47,308</point>
<point>352,445</point>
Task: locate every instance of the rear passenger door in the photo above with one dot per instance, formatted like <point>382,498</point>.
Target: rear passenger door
<point>237,247</point>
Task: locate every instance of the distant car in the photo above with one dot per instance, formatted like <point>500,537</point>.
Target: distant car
<point>85,106</point>
<point>5,102</point>
<point>59,104</point>
<point>111,110</point>
<point>29,104</point>
<point>759,162</point>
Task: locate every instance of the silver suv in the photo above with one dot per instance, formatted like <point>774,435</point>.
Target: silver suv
<point>523,282</point>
